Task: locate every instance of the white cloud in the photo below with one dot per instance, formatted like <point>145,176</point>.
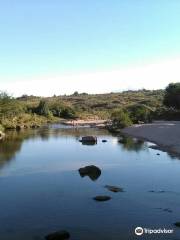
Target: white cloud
<point>150,76</point>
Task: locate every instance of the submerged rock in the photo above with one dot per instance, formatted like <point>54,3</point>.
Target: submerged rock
<point>114,188</point>
<point>177,224</point>
<point>104,141</point>
<point>102,198</point>
<point>91,171</point>
<point>160,191</point>
<point>167,210</point>
<point>60,235</point>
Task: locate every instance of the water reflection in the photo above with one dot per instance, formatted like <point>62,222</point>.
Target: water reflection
<point>131,144</point>
<point>12,144</point>
<point>13,141</point>
<point>89,143</point>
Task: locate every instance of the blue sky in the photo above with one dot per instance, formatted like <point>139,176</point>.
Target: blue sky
<point>67,43</point>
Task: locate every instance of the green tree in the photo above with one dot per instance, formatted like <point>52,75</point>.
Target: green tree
<point>172,95</point>
<point>140,112</point>
<point>9,107</point>
<point>120,119</point>
<point>76,93</point>
<point>43,109</point>
<point>68,112</point>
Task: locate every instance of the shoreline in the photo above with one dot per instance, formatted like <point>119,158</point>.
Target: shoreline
<point>81,122</point>
<point>165,134</point>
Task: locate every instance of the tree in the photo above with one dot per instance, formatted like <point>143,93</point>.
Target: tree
<point>43,109</point>
<point>9,107</point>
<point>68,112</point>
<point>120,119</point>
<point>75,94</point>
<point>172,95</point>
<point>140,112</point>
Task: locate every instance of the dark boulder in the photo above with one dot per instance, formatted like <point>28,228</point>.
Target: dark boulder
<point>104,141</point>
<point>177,224</point>
<point>60,235</point>
<point>89,139</point>
<point>91,171</point>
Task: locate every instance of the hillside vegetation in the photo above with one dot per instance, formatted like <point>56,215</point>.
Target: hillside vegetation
<point>98,105</point>
<point>32,111</point>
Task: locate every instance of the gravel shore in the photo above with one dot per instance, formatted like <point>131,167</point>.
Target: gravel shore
<point>166,134</point>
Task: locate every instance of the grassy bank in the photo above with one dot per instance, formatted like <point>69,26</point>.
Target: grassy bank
<point>25,120</point>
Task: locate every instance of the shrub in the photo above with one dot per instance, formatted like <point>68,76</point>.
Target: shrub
<point>9,107</point>
<point>165,113</point>
<point>43,109</point>
<point>1,128</point>
<point>172,95</point>
<point>120,119</point>
<point>68,112</point>
<point>140,112</point>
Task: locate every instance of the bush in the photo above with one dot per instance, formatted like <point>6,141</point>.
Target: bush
<point>43,109</point>
<point>172,95</point>
<point>164,113</point>
<point>1,128</point>
<point>9,107</point>
<point>120,119</point>
<point>68,112</point>
<point>140,112</point>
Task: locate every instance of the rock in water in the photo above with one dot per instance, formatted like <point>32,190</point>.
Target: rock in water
<point>177,224</point>
<point>91,139</point>
<point>102,198</point>
<point>60,235</point>
<point>91,171</point>
<point>104,141</point>
<point>114,189</point>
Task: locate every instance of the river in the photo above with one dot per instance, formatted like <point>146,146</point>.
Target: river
<point>42,190</point>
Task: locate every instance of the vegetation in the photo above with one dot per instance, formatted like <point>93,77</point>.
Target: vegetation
<point>140,113</point>
<point>172,95</point>
<point>122,108</point>
<point>120,119</point>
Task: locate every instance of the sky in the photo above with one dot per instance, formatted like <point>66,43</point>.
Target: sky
<point>94,46</point>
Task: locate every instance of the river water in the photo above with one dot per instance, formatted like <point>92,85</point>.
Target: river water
<point>42,191</point>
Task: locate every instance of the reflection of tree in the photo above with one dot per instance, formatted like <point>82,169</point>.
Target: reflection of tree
<point>8,150</point>
<point>12,143</point>
<point>131,144</point>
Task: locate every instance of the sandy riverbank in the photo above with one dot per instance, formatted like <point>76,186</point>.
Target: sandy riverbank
<point>79,122</point>
<point>166,134</point>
